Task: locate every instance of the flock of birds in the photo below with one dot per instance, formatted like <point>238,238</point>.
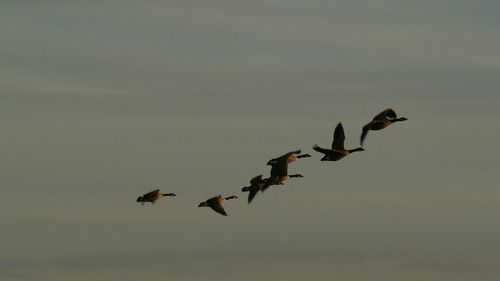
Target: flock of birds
<point>279,166</point>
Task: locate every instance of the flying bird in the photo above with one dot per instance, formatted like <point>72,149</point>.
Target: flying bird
<point>279,172</point>
<point>338,151</point>
<point>382,120</point>
<point>290,157</point>
<point>152,196</point>
<point>256,184</point>
<point>215,203</point>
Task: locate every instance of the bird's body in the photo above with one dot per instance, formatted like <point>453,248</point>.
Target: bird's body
<point>256,184</point>
<point>152,196</point>
<point>379,122</point>
<point>216,202</point>
<point>279,171</point>
<point>337,151</point>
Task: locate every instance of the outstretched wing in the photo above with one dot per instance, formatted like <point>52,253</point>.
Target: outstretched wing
<point>252,194</point>
<point>151,193</point>
<point>319,149</point>
<point>366,128</point>
<point>218,208</point>
<point>338,137</point>
<point>280,168</point>
<point>386,114</point>
<point>391,114</point>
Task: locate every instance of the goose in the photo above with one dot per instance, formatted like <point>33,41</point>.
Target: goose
<point>279,172</point>
<point>290,157</point>
<point>382,120</point>
<point>152,196</point>
<point>216,203</point>
<point>256,184</point>
<point>338,151</point>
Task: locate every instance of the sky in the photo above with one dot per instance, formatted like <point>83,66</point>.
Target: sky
<point>102,101</point>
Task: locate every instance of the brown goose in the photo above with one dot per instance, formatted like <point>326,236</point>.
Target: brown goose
<point>256,184</point>
<point>215,203</point>
<point>152,196</point>
<point>382,120</point>
<point>338,151</point>
<point>290,157</point>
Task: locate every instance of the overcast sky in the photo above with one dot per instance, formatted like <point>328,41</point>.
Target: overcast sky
<point>102,101</point>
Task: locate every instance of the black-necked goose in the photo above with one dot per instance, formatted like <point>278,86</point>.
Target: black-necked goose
<point>256,184</point>
<point>290,157</point>
<point>215,203</point>
<point>338,151</point>
<point>152,196</point>
<point>382,120</point>
<point>279,172</point>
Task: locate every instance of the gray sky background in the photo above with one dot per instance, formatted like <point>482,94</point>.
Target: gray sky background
<point>101,102</point>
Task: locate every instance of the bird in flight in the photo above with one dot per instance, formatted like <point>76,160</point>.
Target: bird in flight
<point>337,151</point>
<point>290,157</point>
<point>382,120</point>
<point>256,184</point>
<point>152,196</point>
<point>215,203</point>
<point>279,169</point>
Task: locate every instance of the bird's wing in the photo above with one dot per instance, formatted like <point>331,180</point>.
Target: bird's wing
<point>384,115</point>
<point>280,168</point>
<point>251,195</point>
<point>366,128</point>
<point>391,114</point>
<point>319,149</point>
<point>338,137</point>
<point>214,199</point>
<point>256,180</point>
<point>151,193</point>
<point>218,208</point>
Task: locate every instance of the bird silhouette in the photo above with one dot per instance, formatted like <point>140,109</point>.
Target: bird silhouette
<point>152,196</point>
<point>216,202</point>
<point>337,151</point>
<point>382,120</point>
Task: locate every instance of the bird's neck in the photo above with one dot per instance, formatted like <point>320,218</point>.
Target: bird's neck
<point>397,120</point>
